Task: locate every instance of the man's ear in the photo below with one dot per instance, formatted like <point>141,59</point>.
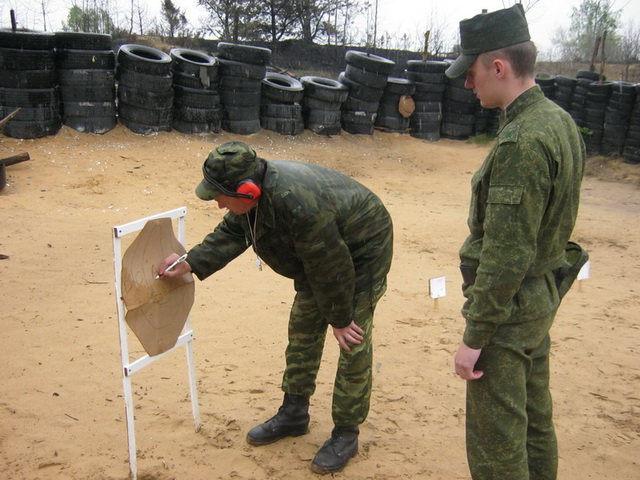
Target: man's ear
<point>499,67</point>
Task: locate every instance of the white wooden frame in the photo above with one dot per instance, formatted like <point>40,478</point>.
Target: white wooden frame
<point>186,337</point>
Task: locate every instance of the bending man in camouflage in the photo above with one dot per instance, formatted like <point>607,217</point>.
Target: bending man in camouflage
<point>333,237</point>
<point>523,208</point>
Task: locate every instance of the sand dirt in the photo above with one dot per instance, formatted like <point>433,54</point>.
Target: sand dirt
<point>61,403</point>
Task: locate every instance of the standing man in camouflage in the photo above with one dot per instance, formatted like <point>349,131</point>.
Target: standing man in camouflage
<point>523,209</point>
<point>333,237</point>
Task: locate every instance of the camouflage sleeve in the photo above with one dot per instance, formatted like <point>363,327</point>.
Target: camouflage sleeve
<point>518,192</point>
<point>218,248</point>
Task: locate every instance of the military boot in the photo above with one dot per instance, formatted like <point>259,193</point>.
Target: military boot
<point>292,420</point>
<point>337,451</point>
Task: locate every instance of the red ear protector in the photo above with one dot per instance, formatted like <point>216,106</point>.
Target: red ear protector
<point>246,190</point>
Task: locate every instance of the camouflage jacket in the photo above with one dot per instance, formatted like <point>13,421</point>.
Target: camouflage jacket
<point>321,228</point>
<point>523,209</point>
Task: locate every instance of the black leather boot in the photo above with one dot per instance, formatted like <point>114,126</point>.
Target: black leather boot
<point>337,451</point>
<point>292,420</point>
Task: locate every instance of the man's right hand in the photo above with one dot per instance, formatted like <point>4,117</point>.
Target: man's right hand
<point>180,269</point>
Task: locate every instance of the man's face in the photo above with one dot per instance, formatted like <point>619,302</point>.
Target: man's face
<point>234,204</point>
<point>482,79</point>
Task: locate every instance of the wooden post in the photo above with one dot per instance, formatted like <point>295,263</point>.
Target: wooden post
<point>602,57</point>
<point>21,157</point>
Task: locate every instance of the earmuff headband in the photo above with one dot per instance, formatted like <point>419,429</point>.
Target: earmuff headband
<point>220,187</point>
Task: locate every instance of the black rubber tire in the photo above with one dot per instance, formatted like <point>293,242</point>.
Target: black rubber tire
<point>563,80</point>
<point>196,98</point>
<point>83,40</point>
<point>90,93</point>
<point>27,40</point>
<point>146,116</point>
<point>588,74</point>
<point>361,76</point>
<point>399,86</point>
<point>197,115</point>
<point>20,59</point>
<point>88,109</point>
<point>427,66</point>
<point>70,59</point>
<point>283,126</point>
<point>356,105</point>
<point>322,117</point>
<point>427,77</point>
<point>28,78</point>
<point>325,130</point>
<point>195,81</point>
<point>431,107</point>
<point>316,104</point>
<point>454,130</point>
<point>244,53</point>
<point>282,88</point>
<point>250,71</point>
<point>143,98</point>
<point>239,84</point>
<point>143,59</point>
<point>431,136</point>
<point>239,99</point>
<point>424,87</point>
<point>196,128</point>
<point>95,124</point>
<point>241,114</point>
<point>359,91</point>
<point>325,89</point>
<point>247,127</point>
<point>85,77</point>
<point>461,95</point>
<point>392,123</point>
<point>193,61</point>
<point>32,129</point>
<point>280,110</point>
<point>369,61</point>
<point>144,129</point>
<point>142,81</point>
<point>34,114</point>
<point>31,97</point>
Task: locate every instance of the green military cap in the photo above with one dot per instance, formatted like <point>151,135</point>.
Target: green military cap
<point>225,166</point>
<point>488,32</point>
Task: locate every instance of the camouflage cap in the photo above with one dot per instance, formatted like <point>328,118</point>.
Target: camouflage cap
<point>488,32</point>
<point>227,165</point>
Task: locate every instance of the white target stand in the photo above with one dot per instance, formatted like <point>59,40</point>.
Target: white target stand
<point>185,339</point>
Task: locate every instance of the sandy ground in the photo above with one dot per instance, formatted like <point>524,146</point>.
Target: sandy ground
<point>61,401</point>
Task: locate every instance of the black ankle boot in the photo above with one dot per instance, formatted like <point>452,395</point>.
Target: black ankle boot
<point>337,451</point>
<point>292,420</point>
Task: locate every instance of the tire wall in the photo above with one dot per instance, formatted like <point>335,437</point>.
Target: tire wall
<point>77,79</point>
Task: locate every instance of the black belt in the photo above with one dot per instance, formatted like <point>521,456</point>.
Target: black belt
<point>469,273</point>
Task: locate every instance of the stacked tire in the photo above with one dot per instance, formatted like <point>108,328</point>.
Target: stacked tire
<point>429,79</point>
<point>631,152</point>
<point>196,103</point>
<point>365,76</point>
<point>459,112</point>
<point>584,78</point>
<point>547,84</point>
<point>145,93</point>
<point>28,83</point>
<point>280,109</point>
<point>564,91</point>
<point>321,104</point>
<point>617,117</point>
<point>598,95</point>
<point>242,69</point>
<point>86,75</point>
<point>396,106</point>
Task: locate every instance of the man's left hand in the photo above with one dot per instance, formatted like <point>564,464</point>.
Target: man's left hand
<point>465,362</point>
<point>352,333</point>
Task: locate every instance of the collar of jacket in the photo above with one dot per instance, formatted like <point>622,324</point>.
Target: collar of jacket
<point>526,98</point>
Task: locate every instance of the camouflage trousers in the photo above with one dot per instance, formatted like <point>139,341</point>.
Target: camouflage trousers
<point>307,332</point>
<point>510,433</point>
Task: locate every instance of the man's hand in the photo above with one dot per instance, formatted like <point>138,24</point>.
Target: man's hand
<point>180,269</point>
<point>465,361</point>
<point>352,333</point>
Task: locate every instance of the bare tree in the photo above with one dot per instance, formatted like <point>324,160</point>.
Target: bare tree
<point>174,18</point>
<point>629,50</point>
<point>231,20</point>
